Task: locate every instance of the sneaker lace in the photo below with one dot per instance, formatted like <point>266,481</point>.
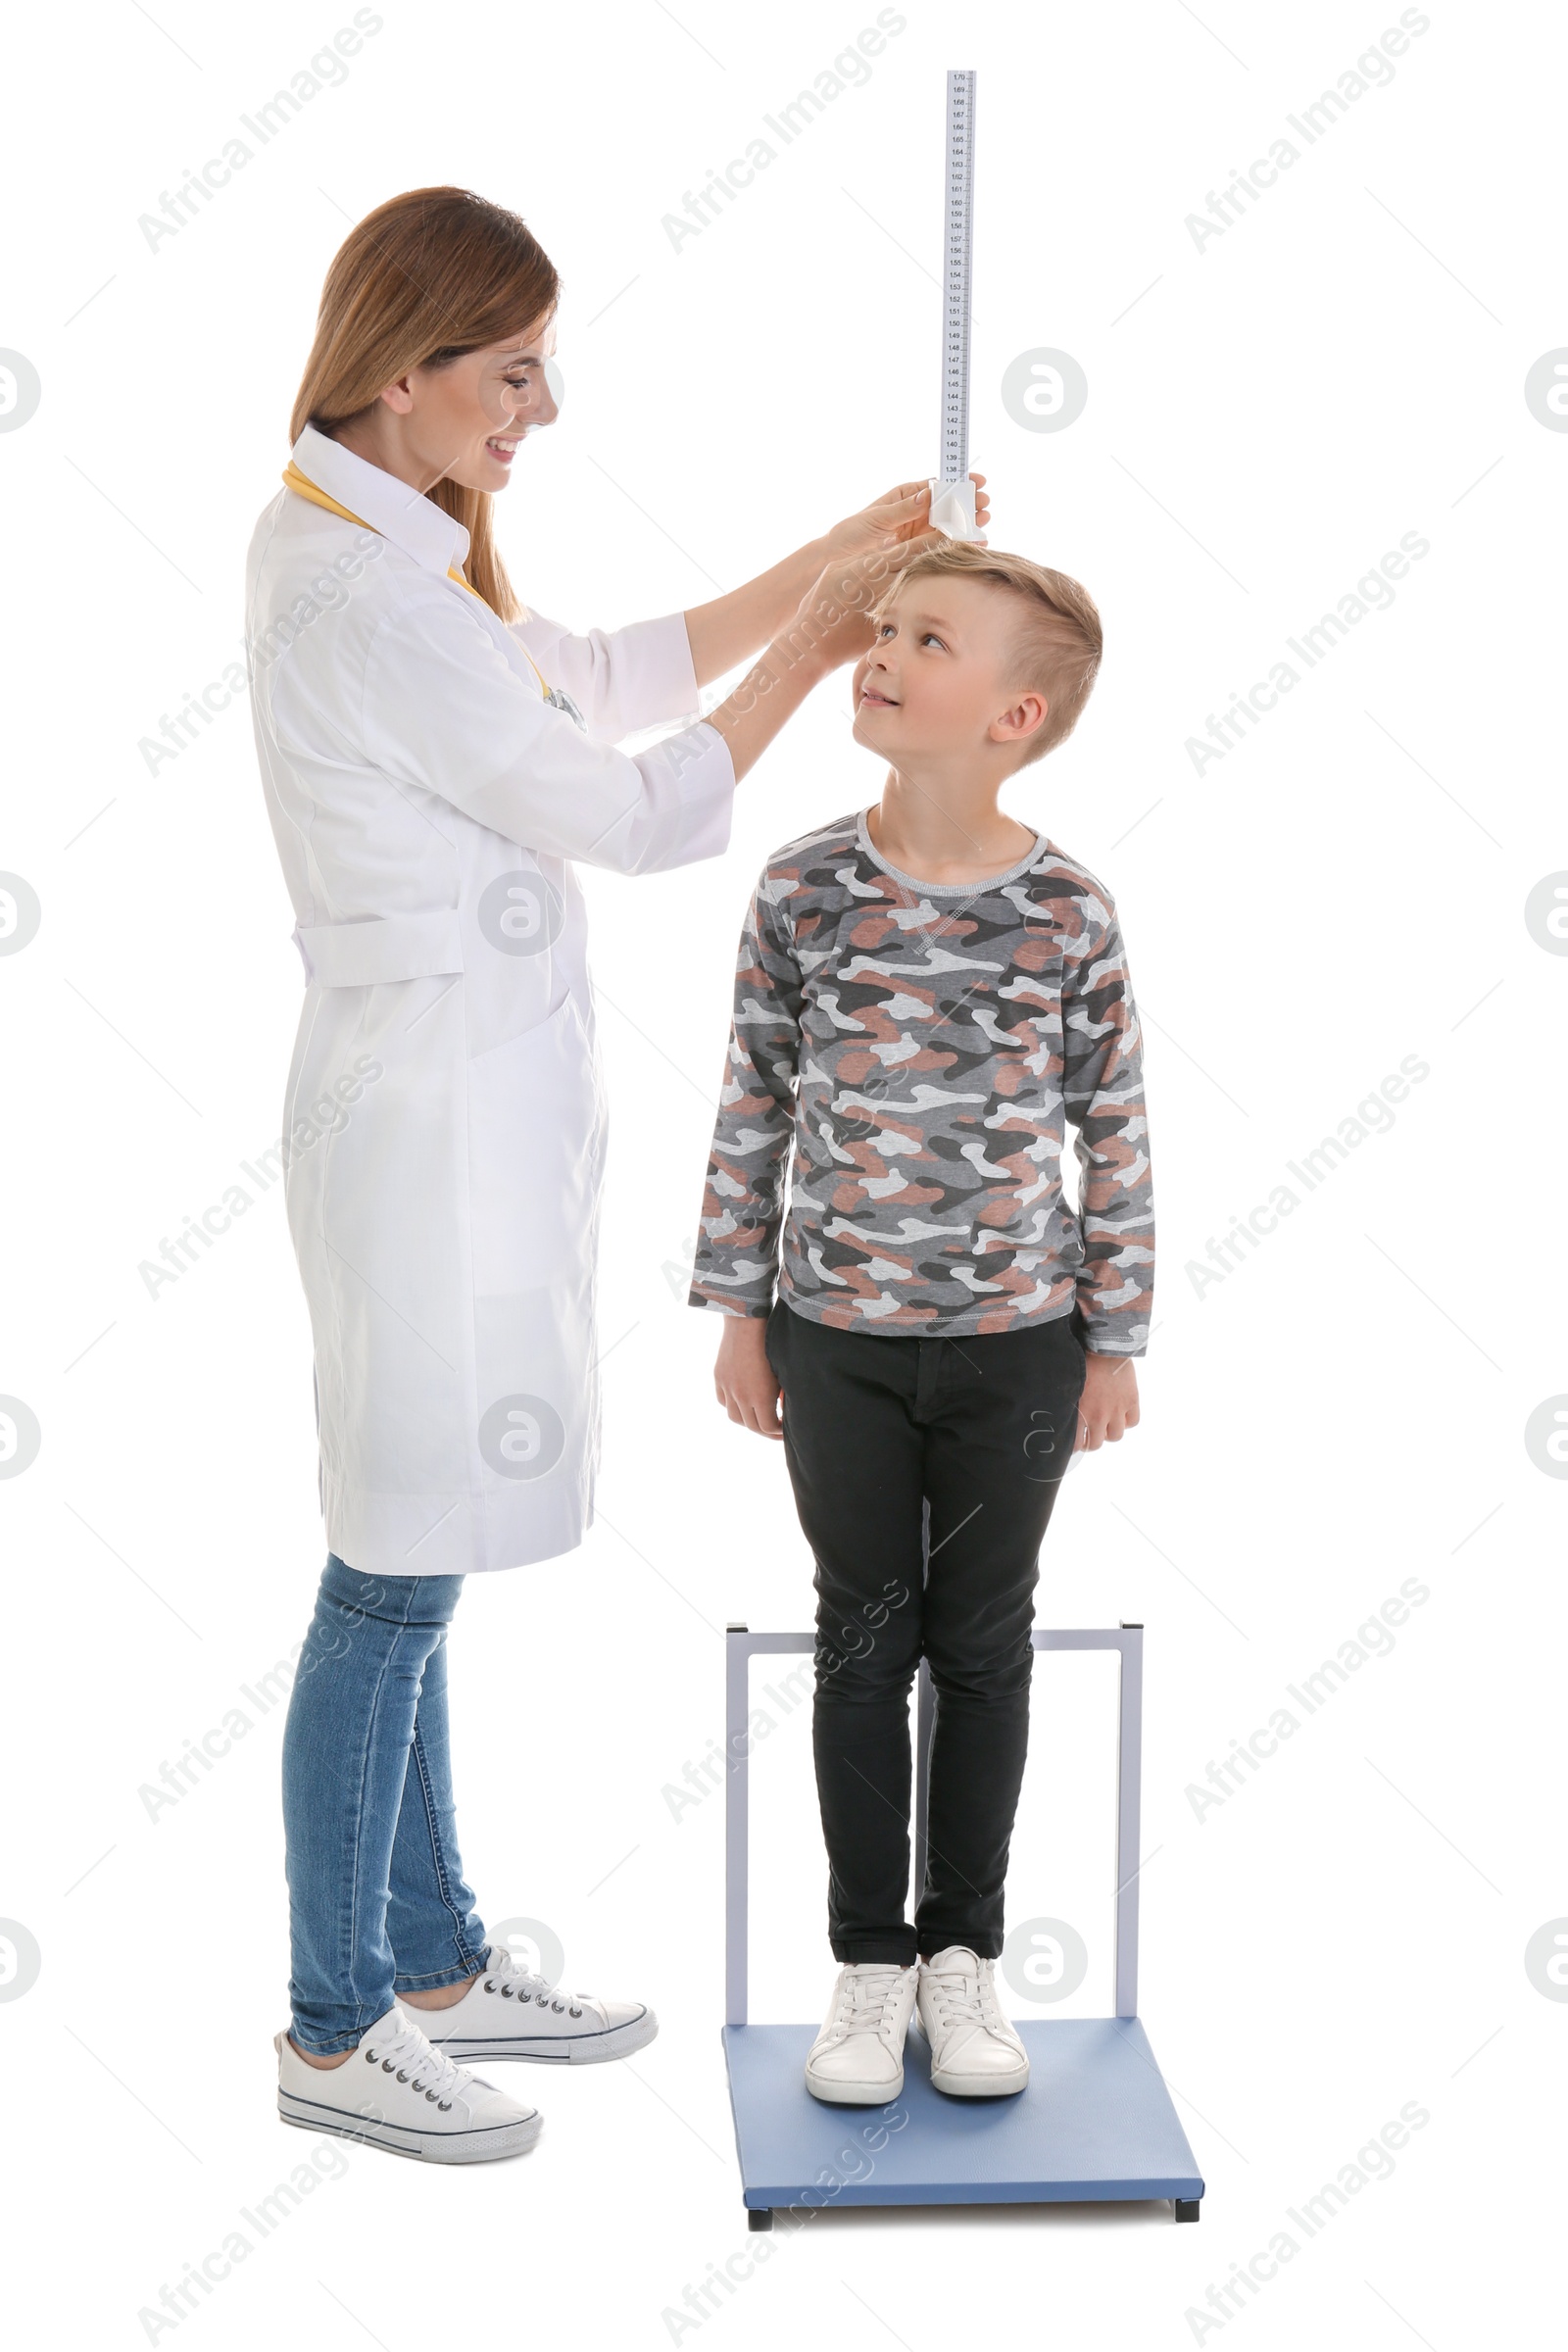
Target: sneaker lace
<point>502,1976</point>
<point>962,2000</point>
<point>405,2055</point>
<point>865,1995</point>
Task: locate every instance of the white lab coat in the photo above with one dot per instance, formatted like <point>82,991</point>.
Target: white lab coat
<point>443,1125</point>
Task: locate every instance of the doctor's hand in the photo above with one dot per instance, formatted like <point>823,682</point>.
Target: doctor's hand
<point>898,514</point>
<point>832,625</point>
<point>829,627</point>
<point>743,1377</point>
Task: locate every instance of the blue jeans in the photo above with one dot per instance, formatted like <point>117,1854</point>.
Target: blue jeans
<point>377,1901</point>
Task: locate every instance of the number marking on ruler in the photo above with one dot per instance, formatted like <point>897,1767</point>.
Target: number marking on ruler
<point>959,247</point>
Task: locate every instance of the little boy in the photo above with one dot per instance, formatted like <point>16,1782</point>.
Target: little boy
<point>926,992</point>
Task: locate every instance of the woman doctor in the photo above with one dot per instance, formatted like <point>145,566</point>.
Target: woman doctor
<point>434,758</point>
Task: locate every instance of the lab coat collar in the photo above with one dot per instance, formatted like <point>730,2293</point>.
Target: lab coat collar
<point>434,539</point>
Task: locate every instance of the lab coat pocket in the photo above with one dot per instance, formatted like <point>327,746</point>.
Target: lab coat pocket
<point>536,1133</point>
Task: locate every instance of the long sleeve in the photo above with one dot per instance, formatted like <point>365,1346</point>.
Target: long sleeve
<point>1104,1091</point>
<point>440,707</point>
<point>620,679</point>
<point>742,1200</point>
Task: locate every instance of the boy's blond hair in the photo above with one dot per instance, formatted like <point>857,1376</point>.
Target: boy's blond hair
<point>1054,644</point>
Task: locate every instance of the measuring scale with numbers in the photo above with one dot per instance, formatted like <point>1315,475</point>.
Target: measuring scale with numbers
<point>953,492</point>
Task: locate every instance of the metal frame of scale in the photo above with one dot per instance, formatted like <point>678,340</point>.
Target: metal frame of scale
<point>1096,2124</point>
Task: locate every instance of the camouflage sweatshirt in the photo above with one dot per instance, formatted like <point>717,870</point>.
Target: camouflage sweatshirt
<point>924,1045</point>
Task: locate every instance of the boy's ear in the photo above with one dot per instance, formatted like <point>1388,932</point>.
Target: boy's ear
<point>1022,718</point>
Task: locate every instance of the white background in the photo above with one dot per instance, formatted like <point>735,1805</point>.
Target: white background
<point>1267,415</point>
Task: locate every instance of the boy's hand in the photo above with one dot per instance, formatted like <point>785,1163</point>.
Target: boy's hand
<point>1108,1405</point>
<point>743,1377</point>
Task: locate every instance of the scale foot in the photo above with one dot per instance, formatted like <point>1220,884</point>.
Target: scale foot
<point>760,2216</point>
<point>1187,2208</point>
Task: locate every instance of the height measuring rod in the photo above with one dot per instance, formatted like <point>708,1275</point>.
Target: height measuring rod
<point>953,492</point>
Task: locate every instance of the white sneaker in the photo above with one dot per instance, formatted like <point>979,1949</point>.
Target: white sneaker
<point>510,2013</point>
<point>857,2058</point>
<point>976,2054</point>
<point>395,2091</point>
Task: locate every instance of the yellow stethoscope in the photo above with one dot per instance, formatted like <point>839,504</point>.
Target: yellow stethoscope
<point>303,487</point>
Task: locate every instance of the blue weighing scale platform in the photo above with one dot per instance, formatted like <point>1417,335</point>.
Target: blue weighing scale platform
<point>1096,2123</point>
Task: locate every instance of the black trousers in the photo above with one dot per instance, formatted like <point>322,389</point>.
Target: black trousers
<point>924,1472</point>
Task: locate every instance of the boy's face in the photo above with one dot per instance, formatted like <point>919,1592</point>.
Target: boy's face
<point>935,680</point>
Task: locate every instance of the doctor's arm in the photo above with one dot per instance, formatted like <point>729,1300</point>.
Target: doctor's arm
<point>773,690</point>
<point>828,628</point>
<point>442,710</point>
<point>825,627</point>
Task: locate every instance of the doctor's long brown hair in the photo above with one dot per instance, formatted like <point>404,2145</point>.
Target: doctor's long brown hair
<point>424,279</point>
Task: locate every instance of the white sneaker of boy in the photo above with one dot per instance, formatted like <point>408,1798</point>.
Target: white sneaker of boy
<point>508,2012</point>
<point>857,2058</point>
<point>394,2091</point>
<point>976,2054</point>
